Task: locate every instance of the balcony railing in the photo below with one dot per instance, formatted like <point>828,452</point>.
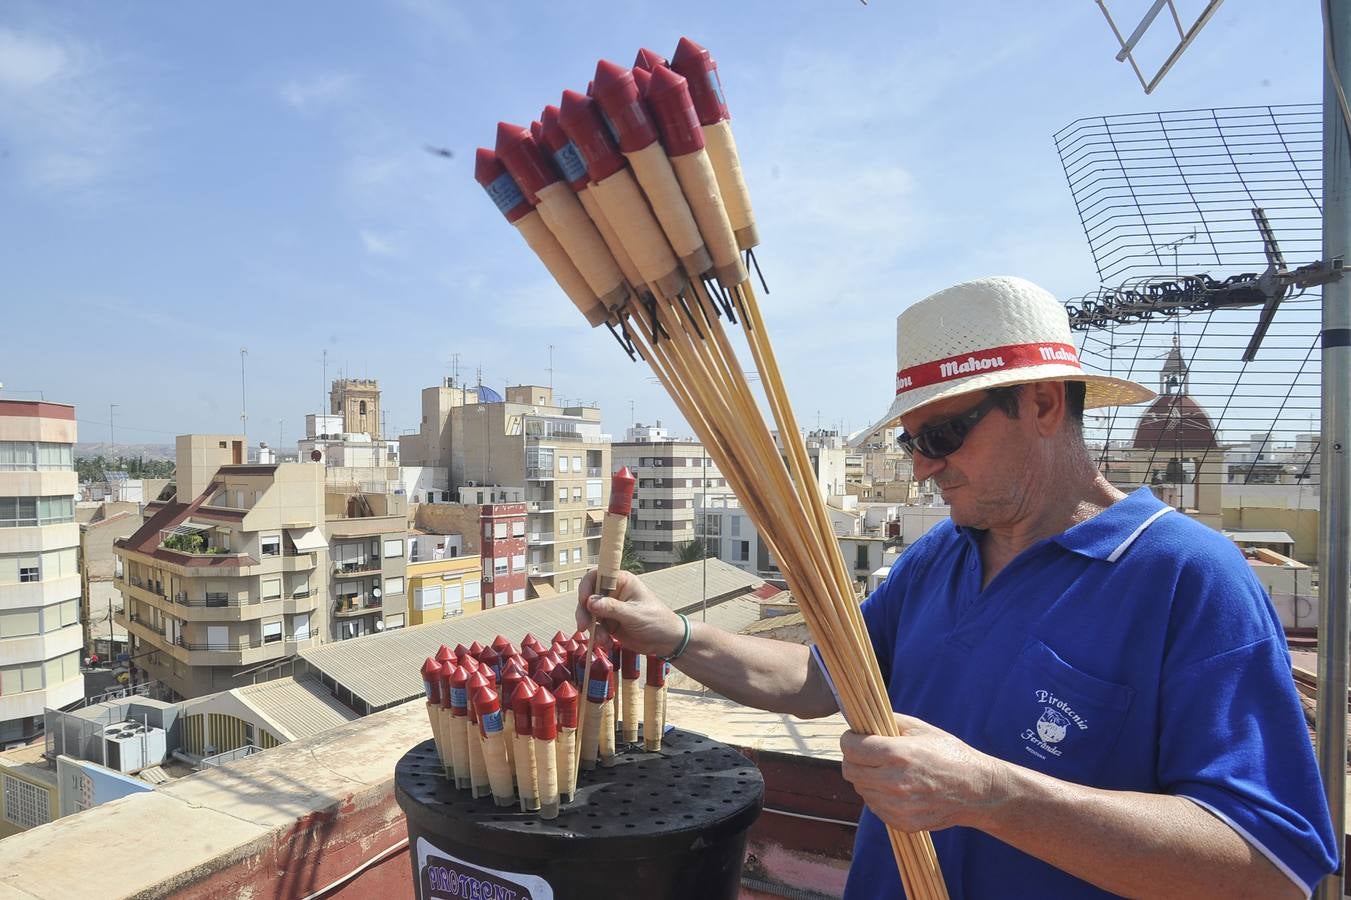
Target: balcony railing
<point>243,643</point>
<point>593,471</point>
<point>538,506</point>
<point>541,568</point>
<point>356,569</point>
<point>593,531</point>
<point>539,473</point>
<point>221,759</point>
<point>540,537</point>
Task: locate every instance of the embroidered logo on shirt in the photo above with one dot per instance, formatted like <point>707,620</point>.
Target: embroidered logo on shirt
<point>1054,725</point>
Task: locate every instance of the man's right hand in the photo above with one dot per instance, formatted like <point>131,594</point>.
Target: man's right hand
<point>634,615</point>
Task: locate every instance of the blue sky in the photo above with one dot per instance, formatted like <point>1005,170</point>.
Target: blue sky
<point>180,181</point>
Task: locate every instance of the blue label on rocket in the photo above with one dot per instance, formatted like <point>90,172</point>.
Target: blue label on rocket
<point>505,193</point>
<point>716,86</point>
<point>459,698</point>
<point>597,690</point>
<point>492,722</point>
<point>570,162</point>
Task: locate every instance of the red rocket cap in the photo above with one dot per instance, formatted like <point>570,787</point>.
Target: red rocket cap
<point>621,491</point>
<point>628,663</point>
<point>491,659</point>
<point>642,78</point>
<point>448,670</point>
<point>475,649</point>
<point>500,186</point>
<point>535,643</point>
<point>485,705</point>
<point>444,653</point>
<point>567,159</point>
<point>530,655</point>
<point>511,678</point>
<point>543,715</point>
<point>697,65</point>
<point>598,691</point>
<point>459,679</point>
<point>461,651</point>
<point>476,683</point>
<point>673,110</point>
<point>617,94</point>
<point>579,636</point>
<point>561,674</point>
<point>501,644</point>
<point>520,705</point>
<point>567,698</point>
<point>537,132</point>
<point>524,160</point>
<point>579,117</point>
<point>656,671</point>
<point>560,637</point>
<point>649,60</point>
<point>431,680</point>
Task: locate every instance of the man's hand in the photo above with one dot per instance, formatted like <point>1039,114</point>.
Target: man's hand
<point>634,615</point>
<point>924,780</point>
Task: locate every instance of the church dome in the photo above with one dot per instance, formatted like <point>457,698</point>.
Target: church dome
<point>488,395</point>
<point>1175,422</point>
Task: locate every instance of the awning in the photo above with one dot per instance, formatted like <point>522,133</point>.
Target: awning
<point>307,539</point>
<point>595,517</point>
<point>185,528</point>
<point>542,587</point>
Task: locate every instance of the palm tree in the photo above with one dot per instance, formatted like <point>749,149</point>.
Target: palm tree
<point>629,561</point>
<point>690,551</point>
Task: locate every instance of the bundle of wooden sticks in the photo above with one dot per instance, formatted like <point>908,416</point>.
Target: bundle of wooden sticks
<point>632,196</point>
<point>505,719</point>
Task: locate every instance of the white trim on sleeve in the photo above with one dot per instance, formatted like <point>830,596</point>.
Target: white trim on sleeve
<point>830,682</point>
<point>1125,545</point>
<point>1261,848</point>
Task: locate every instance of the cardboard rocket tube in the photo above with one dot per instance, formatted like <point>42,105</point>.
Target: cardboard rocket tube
<point>494,742</point>
<point>563,213</point>
<point>630,697</point>
<point>606,754</point>
<point>654,704</point>
<point>567,702</point>
<point>652,168</point>
<point>736,197</point>
<point>627,211</point>
<point>611,238</point>
<point>480,784</point>
<point>431,688</point>
<point>522,736</point>
<point>458,733</point>
<point>593,709</point>
<point>544,728</point>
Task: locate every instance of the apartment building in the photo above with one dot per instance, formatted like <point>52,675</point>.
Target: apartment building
<point>674,477</point>
<point>555,451</point>
<point>40,634</point>
<point>366,544</point>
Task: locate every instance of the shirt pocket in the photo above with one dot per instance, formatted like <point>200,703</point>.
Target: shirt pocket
<point>1048,715</point>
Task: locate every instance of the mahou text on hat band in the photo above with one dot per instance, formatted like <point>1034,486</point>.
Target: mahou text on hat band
<point>1013,356</point>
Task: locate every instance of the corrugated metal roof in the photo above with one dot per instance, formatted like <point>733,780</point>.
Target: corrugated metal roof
<point>299,707</point>
<point>384,669</point>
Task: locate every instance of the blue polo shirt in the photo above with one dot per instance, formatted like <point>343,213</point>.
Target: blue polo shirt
<point>1135,651</point>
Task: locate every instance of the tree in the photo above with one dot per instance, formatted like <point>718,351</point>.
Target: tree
<point>629,560</point>
<point>690,551</point>
<point>187,543</point>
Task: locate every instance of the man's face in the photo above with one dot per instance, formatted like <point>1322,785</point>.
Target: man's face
<point>984,481</point>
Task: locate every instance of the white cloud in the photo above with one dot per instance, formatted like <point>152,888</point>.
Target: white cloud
<point>378,245</point>
<point>68,123</point>
<point>317,90</point>
<point>26,62</point>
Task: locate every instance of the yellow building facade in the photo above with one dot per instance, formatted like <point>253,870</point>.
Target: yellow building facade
<point>443,589</point>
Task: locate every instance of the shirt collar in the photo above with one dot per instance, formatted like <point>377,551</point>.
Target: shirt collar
<point>1107,535</point>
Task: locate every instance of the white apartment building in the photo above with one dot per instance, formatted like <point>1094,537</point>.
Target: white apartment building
<point>674,478</point>
<point>40,634</point>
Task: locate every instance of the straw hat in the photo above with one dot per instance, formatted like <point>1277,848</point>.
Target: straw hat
<point>989,333</point>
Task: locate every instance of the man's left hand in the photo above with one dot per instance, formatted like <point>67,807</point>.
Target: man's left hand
<point>924,780</point>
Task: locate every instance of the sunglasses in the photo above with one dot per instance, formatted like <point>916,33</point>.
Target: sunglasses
<point>946,438</point>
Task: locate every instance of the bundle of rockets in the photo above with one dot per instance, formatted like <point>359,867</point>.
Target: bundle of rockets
<point>505,718</point>
<point>632,196</point>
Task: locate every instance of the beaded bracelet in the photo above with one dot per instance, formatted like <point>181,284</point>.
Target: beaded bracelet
<point>684,643</point>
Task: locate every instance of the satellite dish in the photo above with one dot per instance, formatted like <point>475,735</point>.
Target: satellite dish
<point>375,592</point>
<point>317,455</point>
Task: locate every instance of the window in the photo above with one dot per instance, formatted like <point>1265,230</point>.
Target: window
<point>29,570</point>
<point>394,586</point>
<point>65,613</point>
<point>577,493</point>
<point>427,598</point>
<point>562,525</point>
<point>593,492</point>
<point>487,531</point>
<point>271,588</point>
<point>393,549</point>
<point>562,557</point>
<point>500,564</point>
<point>218,637</point>
<point>300,626</point>
<point>487,568</point>
<point>270,545</point>
<point>518,595</point>
<point>26,804</point>
<point>562,463</point>
<point>518,562</point>
<point>563,586</point>
<point>63,669</point>
<point>500,531</point>
<point>501,598</point>
<point>18,679</point>
<point>454,605</point>
<point>25,512</point>
<point>272,632</point>
<point>361,407</point>
<point>19,622</point>
<point>861,560</point>
<point>743,551</point>
<point>576,464</point>
<point>31,455</point>
<point>395,621</point>
<point>577,524</point>
<point>576,555</point>
<point>518,529</point>
<point>563,495</point>
<point>472,591</point>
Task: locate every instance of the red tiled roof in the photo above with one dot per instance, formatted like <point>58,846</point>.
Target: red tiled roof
<point>147,538</point>
<point>33,409</point>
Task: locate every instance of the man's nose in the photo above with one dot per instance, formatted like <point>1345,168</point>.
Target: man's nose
<point>925,468</point>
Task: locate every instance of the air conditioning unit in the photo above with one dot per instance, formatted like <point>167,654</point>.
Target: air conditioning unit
<point>130,746</point>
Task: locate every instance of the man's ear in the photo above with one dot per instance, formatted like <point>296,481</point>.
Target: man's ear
<point>1049,405</point>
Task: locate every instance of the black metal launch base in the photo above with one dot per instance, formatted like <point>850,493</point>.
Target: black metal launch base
<point>653,826</point>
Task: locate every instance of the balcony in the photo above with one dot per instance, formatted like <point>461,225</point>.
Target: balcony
<point>539,537</point>
<point>356,569</point>
<point>543,568</point>
<point>539,506</point>
<point>593,531</point>
<point>358,605</point>
<point>593,471</point>
<point>539,473</point>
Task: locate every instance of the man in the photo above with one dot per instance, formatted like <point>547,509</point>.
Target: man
<point>1093,691</point>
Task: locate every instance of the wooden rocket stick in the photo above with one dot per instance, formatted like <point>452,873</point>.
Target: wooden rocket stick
<point>544,727</point>
<point>565,748</point>
<point>494,740</point>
